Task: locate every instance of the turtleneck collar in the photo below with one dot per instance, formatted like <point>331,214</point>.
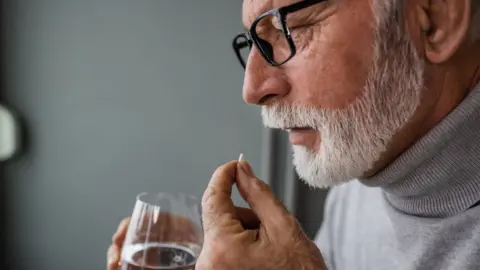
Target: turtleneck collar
<point>439,176</point>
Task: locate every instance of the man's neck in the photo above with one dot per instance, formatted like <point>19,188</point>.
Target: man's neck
<point>453,80</point>
<point>438,176</point>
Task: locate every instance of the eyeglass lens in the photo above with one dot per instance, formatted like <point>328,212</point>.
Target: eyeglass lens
<point>270,38</point>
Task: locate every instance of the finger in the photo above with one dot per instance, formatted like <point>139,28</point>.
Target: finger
<point>216,201</point>
<point>119,236</point>
<point>248,218</point>
<point>113,257</point>
<point>262,200</point>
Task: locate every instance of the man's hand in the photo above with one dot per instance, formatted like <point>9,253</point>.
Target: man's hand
<point>266,237</point>
<point>115,250</point>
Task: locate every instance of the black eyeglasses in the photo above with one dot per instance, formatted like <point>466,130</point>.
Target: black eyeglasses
<point>271,35</point>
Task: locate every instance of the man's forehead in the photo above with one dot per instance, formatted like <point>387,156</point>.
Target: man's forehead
<point>254,8</point>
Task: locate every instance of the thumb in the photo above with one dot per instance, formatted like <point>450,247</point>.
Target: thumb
<point>216,201</point>
<point>269,209</point>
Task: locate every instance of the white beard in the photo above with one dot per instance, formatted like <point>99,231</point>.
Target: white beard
<point>354,138</point>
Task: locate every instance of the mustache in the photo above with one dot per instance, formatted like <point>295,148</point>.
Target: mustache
<point>283,116</point>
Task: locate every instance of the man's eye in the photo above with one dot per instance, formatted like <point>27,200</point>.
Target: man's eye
<point>298,28</point>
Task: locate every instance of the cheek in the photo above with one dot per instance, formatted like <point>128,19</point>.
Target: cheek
<point>332,62</point>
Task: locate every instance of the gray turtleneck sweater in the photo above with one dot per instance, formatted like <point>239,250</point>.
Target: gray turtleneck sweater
<point>421,212</point>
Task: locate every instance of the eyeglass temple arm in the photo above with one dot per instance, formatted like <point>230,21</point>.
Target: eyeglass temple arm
<point>245,43</point>
<point>300,5</point>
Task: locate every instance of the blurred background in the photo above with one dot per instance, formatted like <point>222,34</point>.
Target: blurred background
<point>118,97</point>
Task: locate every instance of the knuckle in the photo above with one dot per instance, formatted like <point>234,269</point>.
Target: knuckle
<point>210,193</point>
<point>115,237</point>
<point>259,186</point>
<point>221,171</point>
<point>209,225</point>
<point>292,229</point>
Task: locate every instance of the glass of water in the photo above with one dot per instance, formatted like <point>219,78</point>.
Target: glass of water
<point>165,232</point>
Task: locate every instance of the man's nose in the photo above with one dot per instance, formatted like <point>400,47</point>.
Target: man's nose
<point>263,83</point>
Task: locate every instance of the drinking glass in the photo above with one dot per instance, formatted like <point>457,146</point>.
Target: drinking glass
<point>165,232</point>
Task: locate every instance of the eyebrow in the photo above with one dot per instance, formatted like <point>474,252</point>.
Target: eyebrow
<point>257,13</point>
<point>293,17</point>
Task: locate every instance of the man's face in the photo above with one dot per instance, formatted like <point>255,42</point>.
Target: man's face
<point>344,95</point>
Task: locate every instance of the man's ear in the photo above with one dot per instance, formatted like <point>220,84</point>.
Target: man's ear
<point>445,25</point>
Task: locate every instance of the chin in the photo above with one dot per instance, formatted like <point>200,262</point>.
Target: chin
<point>318,171</point>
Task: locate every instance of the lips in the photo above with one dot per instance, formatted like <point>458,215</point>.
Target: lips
<point>295,129</point>
<point>306,136</point>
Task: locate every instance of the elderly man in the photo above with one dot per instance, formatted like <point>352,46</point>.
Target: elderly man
<point>380,98</point>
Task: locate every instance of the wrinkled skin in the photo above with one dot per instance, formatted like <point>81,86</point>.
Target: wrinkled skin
<point>329,71</point>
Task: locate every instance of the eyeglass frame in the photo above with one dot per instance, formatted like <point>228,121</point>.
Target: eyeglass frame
<point>251,37</point>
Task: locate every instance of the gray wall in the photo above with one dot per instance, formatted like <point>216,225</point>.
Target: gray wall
<point>119,97</point>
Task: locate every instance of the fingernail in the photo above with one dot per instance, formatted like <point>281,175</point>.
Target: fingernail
<point>248,168</point>
<point>245,166</point>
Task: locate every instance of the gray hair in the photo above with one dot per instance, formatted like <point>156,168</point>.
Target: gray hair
<point>383,8</point>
